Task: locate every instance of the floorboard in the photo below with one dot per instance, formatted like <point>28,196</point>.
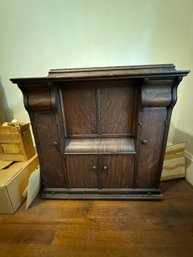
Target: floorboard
<point>54,228</point>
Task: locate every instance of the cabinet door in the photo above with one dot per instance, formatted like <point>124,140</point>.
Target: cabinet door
<point>116,170</point>
<point>82,170</point>
<point>150,147</point>
<point>116,110</point>
<point>80,110</point>
<point>51,162</point>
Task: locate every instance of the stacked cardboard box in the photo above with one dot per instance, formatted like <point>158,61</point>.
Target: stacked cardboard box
<point>2,117</point>
<point>16,143</point>
<point>174,162</point>
<point>13,183</point>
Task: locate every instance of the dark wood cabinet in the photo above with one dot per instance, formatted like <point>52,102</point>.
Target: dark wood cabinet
<point>116,171</point>
<point>101,132</point>
<point>82,171</point>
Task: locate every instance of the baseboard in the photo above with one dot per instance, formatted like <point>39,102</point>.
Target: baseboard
<point>189,167</point>
<point>189,156</point>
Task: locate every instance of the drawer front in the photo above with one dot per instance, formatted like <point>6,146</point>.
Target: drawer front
<point>116,171</point>
<point>82,171</point>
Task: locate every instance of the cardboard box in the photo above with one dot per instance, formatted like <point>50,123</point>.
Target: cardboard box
<point>13,182</point>
<point>174,162</point>
<point>2,116</point>
<point>34,186</point>
<point>16,143</point>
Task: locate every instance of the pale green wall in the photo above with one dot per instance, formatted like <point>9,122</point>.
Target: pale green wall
<point>43,34</point>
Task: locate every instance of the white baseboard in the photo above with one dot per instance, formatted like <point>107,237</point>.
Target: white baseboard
<point>189,167</point>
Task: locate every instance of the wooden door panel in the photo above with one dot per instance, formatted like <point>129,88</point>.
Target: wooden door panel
<point>116,170</point>
<point>149,155</point>
<point>82,171</point>
<point>116,110</point>
<point>80,110</point>
<point>49,150</point>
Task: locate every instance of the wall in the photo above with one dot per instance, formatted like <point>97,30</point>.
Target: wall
<point>183,131</point>
<point>44,34</point>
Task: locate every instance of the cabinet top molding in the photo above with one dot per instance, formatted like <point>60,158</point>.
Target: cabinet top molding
<point>139,71</point>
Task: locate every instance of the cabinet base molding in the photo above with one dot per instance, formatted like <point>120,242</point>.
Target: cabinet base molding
<point>111,194</point>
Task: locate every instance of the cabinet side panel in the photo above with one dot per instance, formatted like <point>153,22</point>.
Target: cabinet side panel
<point>116,110</point>
<point>48,150</point>
<point>150,146</point>
<point>82,171</point>
<point>116,171</point>
<point>80,110</point>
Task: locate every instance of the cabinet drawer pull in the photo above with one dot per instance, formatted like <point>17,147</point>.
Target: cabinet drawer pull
<point>94,167</point>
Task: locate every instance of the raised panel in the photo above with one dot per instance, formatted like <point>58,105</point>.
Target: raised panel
<point>49,151</point>
<point>150,146</point>
<point>82,171</point>
<point>80,111</point>
<point>116,171</point>
<point>116,110</point>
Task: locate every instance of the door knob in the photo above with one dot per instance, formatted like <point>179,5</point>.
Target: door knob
<point>55,143</point>
<point>105,168</point>
<point>144,141</point>
<point>94,167</point>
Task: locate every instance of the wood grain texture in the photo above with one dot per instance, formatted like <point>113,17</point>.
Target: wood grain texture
<point>48,150</point>
<point>98,171</point>
<point>116,171</point>
<point>152,132</point>
<point>103,228</point>
<point>153,96</point>
<point>94,103</point>
<point>99,145</point>
<point>116,110</point>
<point>80,111</point>
<point>82,171</point>
<point>38,99</point>
<point>132,72</point>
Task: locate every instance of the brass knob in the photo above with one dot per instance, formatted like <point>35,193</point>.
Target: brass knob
<point>94,167</point>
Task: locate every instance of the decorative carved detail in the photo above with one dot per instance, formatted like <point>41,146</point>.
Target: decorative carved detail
<point>39,99</point>
<point>157,93</point>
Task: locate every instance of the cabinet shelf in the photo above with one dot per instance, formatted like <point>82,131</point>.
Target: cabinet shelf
<point>100,146</point>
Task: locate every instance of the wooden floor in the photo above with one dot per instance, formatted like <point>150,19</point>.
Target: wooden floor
<point>53,228</point>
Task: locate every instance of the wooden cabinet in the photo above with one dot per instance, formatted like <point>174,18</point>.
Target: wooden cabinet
<point>116,171</point>
<point>105,171</point>
<point>101,132</point>
<point>82,171</point>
